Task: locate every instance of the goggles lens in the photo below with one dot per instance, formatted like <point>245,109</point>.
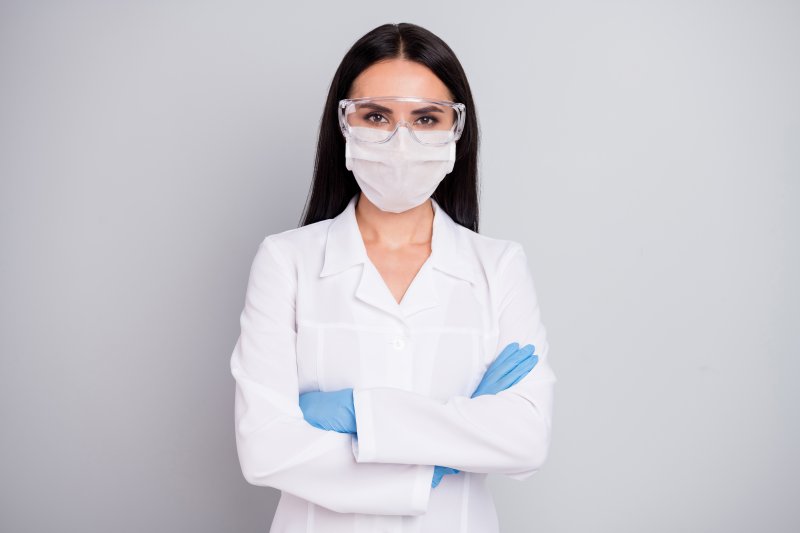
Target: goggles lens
<point>376,119</point>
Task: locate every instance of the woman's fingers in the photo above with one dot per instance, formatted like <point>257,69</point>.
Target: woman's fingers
<point>439,472</point>
<point>507,352</point>
<point>510,358</point>
<point>510,362</point>
<point>522,370</point>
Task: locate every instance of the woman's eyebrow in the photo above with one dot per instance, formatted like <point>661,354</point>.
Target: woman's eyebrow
<point>382,109</point>
<point>429,109</point>
<point>376,107</point>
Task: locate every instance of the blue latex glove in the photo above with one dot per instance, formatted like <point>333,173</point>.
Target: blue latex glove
<point>333,411</point>
<point>439,472</point>
<point>513,364</point>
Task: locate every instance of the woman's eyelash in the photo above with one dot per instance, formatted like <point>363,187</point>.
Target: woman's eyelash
<point>430,119</point>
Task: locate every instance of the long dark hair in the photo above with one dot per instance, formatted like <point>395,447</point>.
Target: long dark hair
<point>333,185</point>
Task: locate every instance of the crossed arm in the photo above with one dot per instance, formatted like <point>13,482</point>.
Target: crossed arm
<point>388,467</point>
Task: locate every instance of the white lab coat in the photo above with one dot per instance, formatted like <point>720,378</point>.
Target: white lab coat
<point>318,316</point>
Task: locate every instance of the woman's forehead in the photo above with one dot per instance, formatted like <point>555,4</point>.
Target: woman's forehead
<point>399,77</point>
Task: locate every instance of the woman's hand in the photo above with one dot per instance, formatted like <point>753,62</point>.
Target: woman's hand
<point>333,411</point>
<point>439,472</point>
<point>513,364</point>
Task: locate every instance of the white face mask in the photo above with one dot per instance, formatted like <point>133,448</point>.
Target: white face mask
<point>401,173</point>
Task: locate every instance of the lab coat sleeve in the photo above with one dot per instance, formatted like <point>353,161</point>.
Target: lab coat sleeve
<point>276,446</point>
<point>506,433</point>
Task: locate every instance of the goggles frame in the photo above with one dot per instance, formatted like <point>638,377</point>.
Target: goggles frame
<point>459,108</point>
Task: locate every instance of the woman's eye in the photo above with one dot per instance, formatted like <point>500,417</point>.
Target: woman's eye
<point>428,121</point>
<point>374,117</point>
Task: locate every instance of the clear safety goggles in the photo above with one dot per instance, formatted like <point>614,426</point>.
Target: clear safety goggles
<point>377,119</point>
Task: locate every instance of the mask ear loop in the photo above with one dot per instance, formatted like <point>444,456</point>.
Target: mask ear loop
<point>348,158</point>
<point>452,157</point>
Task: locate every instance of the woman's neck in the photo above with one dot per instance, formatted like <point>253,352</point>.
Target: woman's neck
<point>394,230</point>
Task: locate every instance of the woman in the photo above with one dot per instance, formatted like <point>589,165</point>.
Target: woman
<point>386,359</point>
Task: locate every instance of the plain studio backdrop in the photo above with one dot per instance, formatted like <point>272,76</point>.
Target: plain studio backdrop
<point>646,154</point>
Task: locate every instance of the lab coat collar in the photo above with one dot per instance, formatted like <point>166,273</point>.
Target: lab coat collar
<point>345,245</point>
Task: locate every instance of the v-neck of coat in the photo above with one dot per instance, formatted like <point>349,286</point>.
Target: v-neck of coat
<point>345,247</point>
<point>420,294</point>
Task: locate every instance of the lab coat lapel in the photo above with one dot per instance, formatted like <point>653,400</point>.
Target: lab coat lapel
<point>345,248</point>
<point>373,290</point>
<point>422,293</point>
<point>449,255</point>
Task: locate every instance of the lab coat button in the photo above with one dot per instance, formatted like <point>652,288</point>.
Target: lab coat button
<point>398,344</point>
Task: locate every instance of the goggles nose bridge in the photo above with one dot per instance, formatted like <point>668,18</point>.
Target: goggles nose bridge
<point>408,128</point>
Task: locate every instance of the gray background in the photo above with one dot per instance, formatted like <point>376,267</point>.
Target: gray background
<point>645,153</point>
